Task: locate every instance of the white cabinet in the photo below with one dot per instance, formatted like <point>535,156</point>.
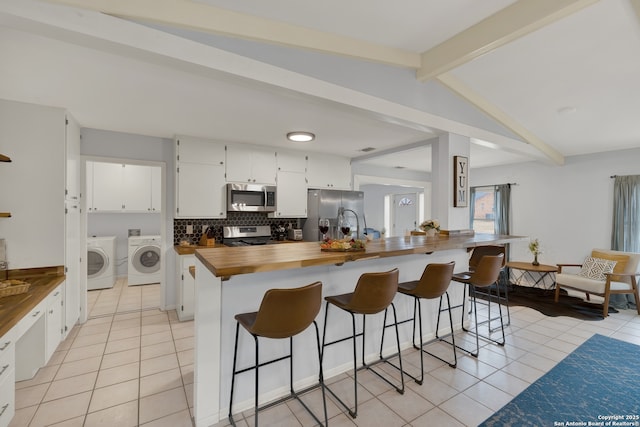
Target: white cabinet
<point>291,198</point>
<point>328,171</point>
<point>247,163</point>
<point>136,188</point>
<point>116,187</point>
<point>72,170</point>
<point>186,287</point>
<point>200,181</point>
<point>53,322</point>
<point>156,189</point>
<point>73,196</point>
<point>7,377</point>
<point>107,187</point>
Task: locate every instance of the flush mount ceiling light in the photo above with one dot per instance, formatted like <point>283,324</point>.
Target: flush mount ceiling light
<point>300,136</point>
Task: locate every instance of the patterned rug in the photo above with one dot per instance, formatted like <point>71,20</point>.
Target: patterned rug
<point>596,385</point>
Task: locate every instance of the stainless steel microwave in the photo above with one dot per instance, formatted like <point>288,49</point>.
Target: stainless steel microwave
<point>251,198</point>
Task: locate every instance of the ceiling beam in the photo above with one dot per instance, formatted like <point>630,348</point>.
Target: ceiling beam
<point>506,25</point>
<point>476,99</point>
<point>205,18</point>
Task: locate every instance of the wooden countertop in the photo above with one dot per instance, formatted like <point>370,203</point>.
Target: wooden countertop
<point>190,250</point>
<point>231,261</point>
<point>13,308</point>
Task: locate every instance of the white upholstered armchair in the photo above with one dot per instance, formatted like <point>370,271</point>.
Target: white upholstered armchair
<point>606,272</point>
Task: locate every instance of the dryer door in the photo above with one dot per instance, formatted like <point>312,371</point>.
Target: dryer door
<point>146,259</point>
<point>97,262</point>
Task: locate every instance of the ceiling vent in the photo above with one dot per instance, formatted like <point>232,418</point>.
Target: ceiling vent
<point>366,150</point>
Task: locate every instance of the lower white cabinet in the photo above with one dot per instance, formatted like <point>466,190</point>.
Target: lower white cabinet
<point>186,287</point>
<point>53,322</point>
<point>7,377</point>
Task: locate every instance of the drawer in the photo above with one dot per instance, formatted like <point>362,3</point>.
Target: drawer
<point>7,398</point>
<point>7,364</point>
<point>55,296</point>
<point>30,318</point>
<point>7,342</point>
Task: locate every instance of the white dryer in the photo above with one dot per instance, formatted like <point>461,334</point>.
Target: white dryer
<point>144,260</point>
<point>101,262</point>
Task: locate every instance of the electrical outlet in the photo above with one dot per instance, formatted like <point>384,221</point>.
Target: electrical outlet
<point>190,229</point>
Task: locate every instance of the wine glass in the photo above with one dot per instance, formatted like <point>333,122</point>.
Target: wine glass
<point>323,225</point>
<point>345,226</point>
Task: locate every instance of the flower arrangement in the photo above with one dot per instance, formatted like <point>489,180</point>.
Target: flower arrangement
<point>430,224</point>
<point>534,247</point>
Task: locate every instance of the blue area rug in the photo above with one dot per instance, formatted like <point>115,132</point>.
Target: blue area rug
<point>596,385</point>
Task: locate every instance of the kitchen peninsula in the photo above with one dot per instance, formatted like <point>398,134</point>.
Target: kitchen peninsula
<point>233,280</point>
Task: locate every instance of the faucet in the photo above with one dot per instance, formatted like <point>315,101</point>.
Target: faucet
<point>341,212</point>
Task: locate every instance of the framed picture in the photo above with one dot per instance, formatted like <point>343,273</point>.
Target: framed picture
<point>460,182</point>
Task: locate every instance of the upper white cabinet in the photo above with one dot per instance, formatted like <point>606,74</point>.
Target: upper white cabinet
<point>116,187</point>
<point>328,171</point>
<point>200,178</point>
<point>246,163</point>
<point>136,188</point>
<point>291,198</point>
<point>106,187</point>
<point>72,170</point>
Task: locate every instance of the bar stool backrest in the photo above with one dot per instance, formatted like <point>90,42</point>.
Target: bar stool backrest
<point>284,313</point>
<point>487,271</point>
<point>434,281</point>
<point>480,251</point>
<point>374,292</point>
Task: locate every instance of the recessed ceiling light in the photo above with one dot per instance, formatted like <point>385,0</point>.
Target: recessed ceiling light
<point>300,136</point>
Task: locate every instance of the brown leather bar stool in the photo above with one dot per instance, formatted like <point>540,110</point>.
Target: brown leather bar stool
<point>283,313</point>
<point>476,255</point>
<point>433,284</point>
<point>373,294</point>
<point>483,277</point>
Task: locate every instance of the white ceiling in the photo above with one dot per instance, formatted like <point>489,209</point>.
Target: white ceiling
<point>570,87</point>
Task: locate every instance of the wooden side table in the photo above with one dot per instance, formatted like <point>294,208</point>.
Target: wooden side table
<point>529,269</point>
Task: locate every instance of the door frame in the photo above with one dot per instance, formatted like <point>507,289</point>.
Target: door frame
<point>84,220</point>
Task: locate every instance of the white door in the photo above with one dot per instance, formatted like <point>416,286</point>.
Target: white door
<point>405,213</point>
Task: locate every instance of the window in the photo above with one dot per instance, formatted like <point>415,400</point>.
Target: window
<point>483,213</point>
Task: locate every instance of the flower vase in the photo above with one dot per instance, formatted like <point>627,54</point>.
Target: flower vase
<point>535,260</point>
<point>430,232</point>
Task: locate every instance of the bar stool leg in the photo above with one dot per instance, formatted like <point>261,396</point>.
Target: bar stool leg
<point>233,373</point>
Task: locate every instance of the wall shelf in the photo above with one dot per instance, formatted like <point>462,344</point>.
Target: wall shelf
<point>5,215</point>
<point>4,158</point>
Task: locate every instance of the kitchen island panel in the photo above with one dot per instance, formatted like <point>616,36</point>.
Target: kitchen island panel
<point>218,301</point>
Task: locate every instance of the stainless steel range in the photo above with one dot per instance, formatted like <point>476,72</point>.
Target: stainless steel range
<point>246,235</point>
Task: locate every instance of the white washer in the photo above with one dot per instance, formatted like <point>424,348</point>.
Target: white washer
<point>101,262</point>
<point>144,260</point>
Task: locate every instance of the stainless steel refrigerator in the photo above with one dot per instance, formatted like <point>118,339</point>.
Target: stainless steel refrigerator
<point>327,204</point>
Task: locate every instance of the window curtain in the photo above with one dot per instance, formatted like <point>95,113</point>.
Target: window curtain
<point>625,233</point>
<point>502,208</point>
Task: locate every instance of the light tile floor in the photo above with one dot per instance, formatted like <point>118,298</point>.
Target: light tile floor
<point>136,368</point>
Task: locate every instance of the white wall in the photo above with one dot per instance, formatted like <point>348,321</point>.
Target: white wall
<point>32,185</point>
<point>568,208</point>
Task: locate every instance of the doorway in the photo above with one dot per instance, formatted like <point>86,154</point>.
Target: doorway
<point>404,213</point>
<point>114,207</point>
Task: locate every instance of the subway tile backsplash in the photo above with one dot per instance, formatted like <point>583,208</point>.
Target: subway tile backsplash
<point>233,218</point>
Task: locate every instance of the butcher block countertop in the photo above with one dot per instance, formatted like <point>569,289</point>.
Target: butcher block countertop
<point>231,261</point>
<point>14,307</point>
